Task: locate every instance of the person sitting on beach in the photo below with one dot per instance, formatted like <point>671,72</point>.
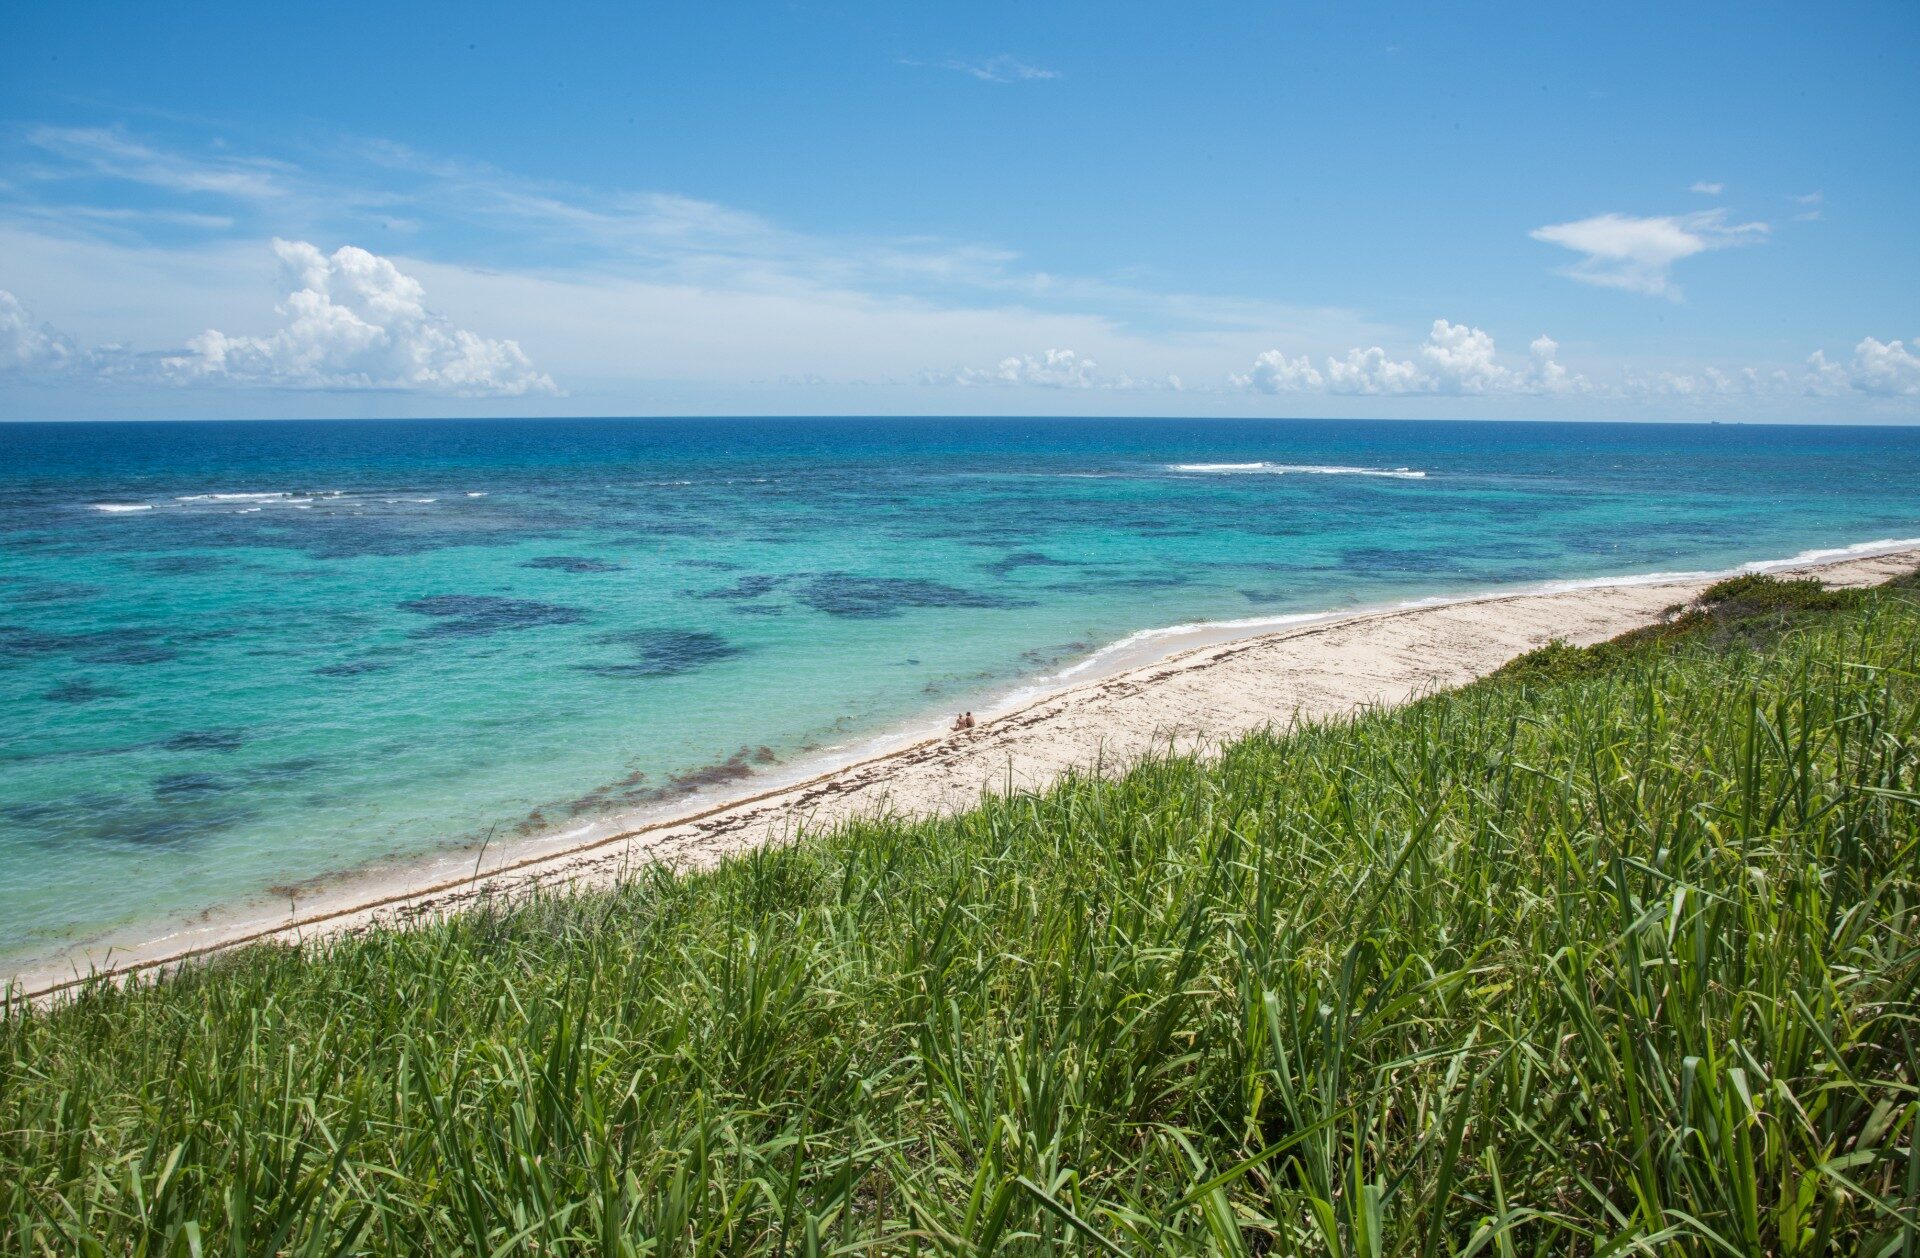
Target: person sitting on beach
<point>959,723</point>
<point>968,718</point>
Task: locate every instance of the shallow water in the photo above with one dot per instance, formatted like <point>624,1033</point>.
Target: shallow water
<point>234,657</point>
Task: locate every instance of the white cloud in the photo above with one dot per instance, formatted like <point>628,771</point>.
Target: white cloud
<point>1825,377</point>
<point>99,151</point>
<point>1370,371</point>
<point>1461,359</point>
<point>1887,370</point>
<point>28,346</point>
<point>1638,254</point>
<point>605,332</point>
<point>647,300</point>
<point>1706,189</point>
<point>1056,369</point>
<point>1544,369</point>
<point>355,321</point>
<point>1004,68</point>
<point>724,294</point>
<point>1879,369</point>
<point>1274,372</point>
<point>1455,359</point>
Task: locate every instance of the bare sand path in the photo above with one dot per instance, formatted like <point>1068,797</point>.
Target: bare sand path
<point>1192,699</point>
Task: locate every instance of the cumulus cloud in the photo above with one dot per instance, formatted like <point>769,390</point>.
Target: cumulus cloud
<point>1056,369</point>
<point>1372,371</point>
<point>1274,372</point>
<point>1455,359</point>
<point>1887,369</point>
<point>1878,369</point>
<point>1544,369</point>
<point>356,321</point>
<point>1638,254</point>
<point>30,346</point>
<point>1461,359</point>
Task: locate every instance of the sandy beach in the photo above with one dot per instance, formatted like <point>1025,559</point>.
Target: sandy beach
<point>1198,692</point>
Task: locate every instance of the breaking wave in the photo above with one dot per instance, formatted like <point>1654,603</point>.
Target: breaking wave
<point>1300,469</point>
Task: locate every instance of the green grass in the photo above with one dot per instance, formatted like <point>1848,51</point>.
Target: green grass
<point>1613,959</point>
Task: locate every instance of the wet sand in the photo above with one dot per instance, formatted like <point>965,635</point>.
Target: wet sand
<point>1191,699</point>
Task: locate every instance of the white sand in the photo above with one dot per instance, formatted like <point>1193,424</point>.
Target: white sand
<point>1193,698</point>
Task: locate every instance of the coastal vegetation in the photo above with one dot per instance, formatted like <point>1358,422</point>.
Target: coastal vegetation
<point>1615,951</point>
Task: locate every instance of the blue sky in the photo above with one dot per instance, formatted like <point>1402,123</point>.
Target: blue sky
<point>1642,211</point>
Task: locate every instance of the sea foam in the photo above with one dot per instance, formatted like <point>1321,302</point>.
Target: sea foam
<point>272,498</point>
<point>246,497</point>
<point>1301,469</point>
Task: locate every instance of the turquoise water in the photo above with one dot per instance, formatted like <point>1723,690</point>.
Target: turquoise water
<point>235,657</point>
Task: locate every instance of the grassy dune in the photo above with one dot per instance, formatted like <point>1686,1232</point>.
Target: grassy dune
<point>1613,952</point>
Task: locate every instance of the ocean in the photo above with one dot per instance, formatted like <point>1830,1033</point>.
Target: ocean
<point>237,658</point>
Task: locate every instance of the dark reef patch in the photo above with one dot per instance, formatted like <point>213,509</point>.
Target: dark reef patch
<point>181,809</point>
<point>663,652</point>
<point>712,565</point>
<point>205,740</point>
<point>872,598</point>
<point>39,812</point>
<point>104,646</point>
<point>126,820</point>
<point>338,537</point>
<point>56,592</point>
<point>476,615</point>
<point>1025,559</point>
<point>285,770</point>
<point>1150,581</point>
<point>351,668</point>
<point>649,530</point>
<point>129,654</point>
<point>1390,559</point>
<point>744,588</point>
<point>180,565</point>
<point>573,563</point>
<point>1138,581</point>
<point>79,691</point>
<point>169,785</point>
<point>186,816</point>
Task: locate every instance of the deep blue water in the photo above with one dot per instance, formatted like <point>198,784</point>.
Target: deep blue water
<point>237,656</point>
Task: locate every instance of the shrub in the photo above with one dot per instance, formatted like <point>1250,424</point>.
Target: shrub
<point>1755,593</point>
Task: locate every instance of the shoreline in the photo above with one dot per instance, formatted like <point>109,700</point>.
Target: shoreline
<point>1185,686</point>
